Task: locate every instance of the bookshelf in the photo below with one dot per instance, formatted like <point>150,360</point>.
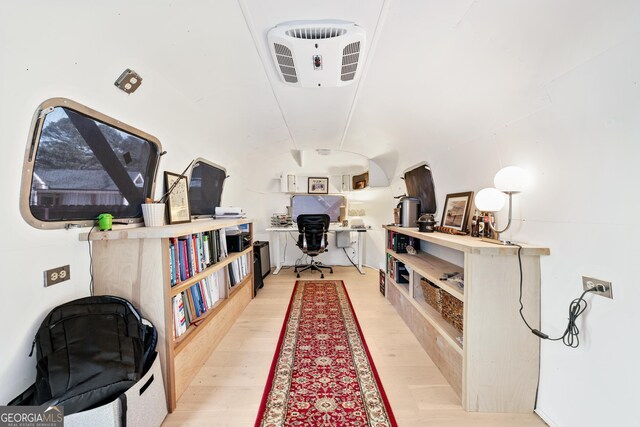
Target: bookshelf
<point>486,353</point>
<point>138,264</point>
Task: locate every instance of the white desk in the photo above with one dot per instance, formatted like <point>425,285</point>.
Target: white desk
<point>281,232</point>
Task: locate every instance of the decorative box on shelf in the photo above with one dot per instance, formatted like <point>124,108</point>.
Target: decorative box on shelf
<point>452,310</point>
<point>432,294</point>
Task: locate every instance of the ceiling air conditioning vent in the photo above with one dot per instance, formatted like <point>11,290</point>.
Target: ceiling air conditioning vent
<point>325,53</point>
<point>285,62</point>
<point>350,55</point>
<point>315,33</point>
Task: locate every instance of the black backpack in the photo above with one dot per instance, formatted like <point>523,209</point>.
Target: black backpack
<point>88,352</point>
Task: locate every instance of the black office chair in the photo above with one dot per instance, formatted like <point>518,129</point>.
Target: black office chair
<point>313,240</point>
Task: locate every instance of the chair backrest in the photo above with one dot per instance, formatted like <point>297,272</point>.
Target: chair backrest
<point>313,231</point>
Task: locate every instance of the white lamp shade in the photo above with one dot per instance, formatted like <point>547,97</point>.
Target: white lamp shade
<point>489,200</point>
<point>511,179</point>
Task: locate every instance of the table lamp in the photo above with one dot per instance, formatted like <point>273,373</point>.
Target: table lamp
<point>509,180</point>
<point>357,211</point>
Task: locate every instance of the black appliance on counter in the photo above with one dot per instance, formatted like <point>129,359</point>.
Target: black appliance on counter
<point>238,242</point>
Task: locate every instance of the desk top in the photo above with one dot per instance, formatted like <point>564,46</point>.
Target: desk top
<point>335,228</point>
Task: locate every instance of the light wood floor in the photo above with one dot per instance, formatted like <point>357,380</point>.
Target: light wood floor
<point>228,389</point>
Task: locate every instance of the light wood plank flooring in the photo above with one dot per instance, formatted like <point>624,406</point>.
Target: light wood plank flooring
<point>228,389</point>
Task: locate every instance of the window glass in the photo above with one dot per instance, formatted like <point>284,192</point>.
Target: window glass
<point>84,165</point>
<point>312,204</point>
<point>205,188</point>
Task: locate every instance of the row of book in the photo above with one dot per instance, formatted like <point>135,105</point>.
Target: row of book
<point>239,269</point>
<point>192,303</point>
<point>399,242</point>
<point>397,270</point>
<point>191,254</point>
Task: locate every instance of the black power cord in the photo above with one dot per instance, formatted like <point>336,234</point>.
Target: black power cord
<point>570,336</point>
<point>349,258</point>
<point>91,257</point>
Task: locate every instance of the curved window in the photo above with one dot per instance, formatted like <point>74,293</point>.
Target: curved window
<point>80,163</point>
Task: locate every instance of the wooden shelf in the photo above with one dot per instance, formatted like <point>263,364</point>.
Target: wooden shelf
<point>129,232</point>
<point>432,268</point>
<point>402,287</point>
<point>434,318</point>
<point>183,340</point>
<point>134,263</point>
<point>468,244</point>
<point>491,371</point>
<point>186,284</point>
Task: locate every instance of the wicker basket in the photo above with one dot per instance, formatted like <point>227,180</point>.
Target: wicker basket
<point>431,294</point>
<point>452,310</point>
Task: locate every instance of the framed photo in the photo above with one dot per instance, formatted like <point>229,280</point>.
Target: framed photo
<point>318,186</point>
<point>360,181</point>
<point>456,210</point>
<point>178,198</point>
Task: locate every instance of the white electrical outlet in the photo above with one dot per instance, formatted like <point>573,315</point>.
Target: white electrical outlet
<point>602,287</point>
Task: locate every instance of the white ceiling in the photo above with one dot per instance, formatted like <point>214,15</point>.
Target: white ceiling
<point>316,117</point>
<point>438,73</point>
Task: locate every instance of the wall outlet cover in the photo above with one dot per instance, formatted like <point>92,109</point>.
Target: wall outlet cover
<point>56,275</point>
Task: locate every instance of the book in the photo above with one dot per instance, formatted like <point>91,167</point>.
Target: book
<point>195,300</point>
<point>195,311</point>
<point>172,265</point>
<point>232,280</point>
<point>176,261</point>
<point>180,324</point>
<point>182,260</point>
<point>206,249</point>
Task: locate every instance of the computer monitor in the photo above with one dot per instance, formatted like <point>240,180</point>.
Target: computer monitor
<point>317,204</point>
<point>205,188</point>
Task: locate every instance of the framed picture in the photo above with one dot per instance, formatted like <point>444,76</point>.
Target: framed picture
<point>318,186</point>
<point>360,181</point>
<point>456,210</point>
<point>177,188</point>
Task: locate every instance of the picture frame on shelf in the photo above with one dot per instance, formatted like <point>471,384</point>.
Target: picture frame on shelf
<point>457,207</point>
<point>177,187</point>
<point>318,185</point>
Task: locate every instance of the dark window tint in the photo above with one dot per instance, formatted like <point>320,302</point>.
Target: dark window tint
<point>205,188</point>
<point>83,166</point>
<point>419,182</point>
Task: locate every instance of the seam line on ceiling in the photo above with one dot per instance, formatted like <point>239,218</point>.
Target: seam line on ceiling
<point>374,42</point>
<point>247,21</point>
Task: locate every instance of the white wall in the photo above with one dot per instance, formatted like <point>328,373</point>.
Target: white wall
<point>32,71</point>
<point>576,129</point>
<point>583,150</point>
<point>257,190</point>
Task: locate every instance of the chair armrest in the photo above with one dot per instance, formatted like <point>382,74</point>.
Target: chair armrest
<point>304,240</point>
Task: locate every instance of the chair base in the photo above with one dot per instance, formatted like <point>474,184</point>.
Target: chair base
<point>313,266</point>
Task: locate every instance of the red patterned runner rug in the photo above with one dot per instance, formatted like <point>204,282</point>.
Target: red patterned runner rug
<point>322,373</point>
